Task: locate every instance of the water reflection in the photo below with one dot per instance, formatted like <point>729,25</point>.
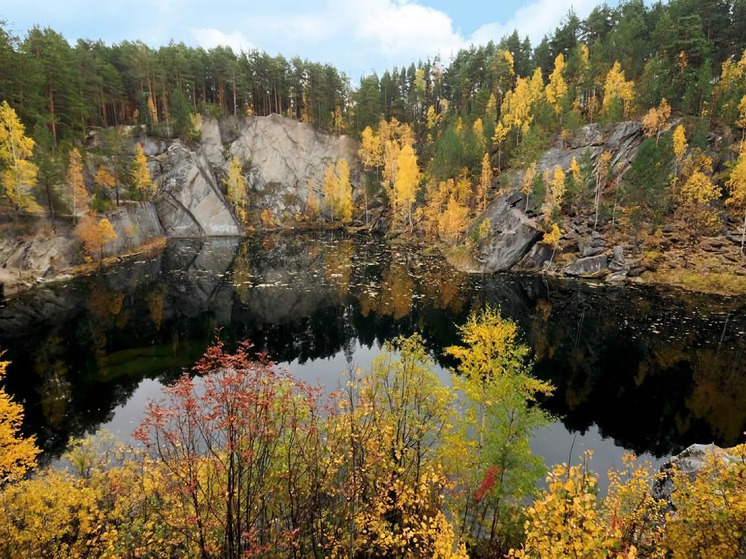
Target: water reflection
<point>651,370</point>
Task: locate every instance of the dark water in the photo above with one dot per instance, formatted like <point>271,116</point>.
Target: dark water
<point>647,370</point>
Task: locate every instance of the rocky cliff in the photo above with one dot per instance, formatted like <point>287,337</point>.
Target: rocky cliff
<point>516,227</point>
<point>280,158</point>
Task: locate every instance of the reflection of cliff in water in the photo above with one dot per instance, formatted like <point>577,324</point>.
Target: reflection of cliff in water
<point>655,370</point>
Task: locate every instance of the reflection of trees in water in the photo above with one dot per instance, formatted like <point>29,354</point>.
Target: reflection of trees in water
<point>338,264</point>
<point>54,389</point>
<point>719,392</point>
<point>313,299</point>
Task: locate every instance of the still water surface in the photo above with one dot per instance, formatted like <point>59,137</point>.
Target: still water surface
<point>643,369</point>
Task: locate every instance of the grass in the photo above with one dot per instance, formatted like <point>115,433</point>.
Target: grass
<point>722,283</point>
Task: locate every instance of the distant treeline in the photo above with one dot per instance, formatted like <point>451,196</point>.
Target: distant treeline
<point>672,50</point>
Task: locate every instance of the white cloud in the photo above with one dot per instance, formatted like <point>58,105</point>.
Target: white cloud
<point>405,29</point>
<point>210,38</point>
<point>535,20</point>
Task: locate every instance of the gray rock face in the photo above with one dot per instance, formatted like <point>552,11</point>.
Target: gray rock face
<point>689,461</point>
<point>618,263</point>
<point>189,202</point>
<point>513,235</point>
<point>588,266</point>
<point>623,141</point>
<point>282,155</point>
<point>535,260</point>
<point>134,225</point>
<point>23,262</point>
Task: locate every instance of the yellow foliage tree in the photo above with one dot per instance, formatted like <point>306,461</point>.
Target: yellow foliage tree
<point>370,152</point>
<point>74,178</point>
<point>345,191</point>
<point>566,522</point>
<point>529,176</point>
<point>104,179</point>
<point>338,191</point>
<point>556,89</point>
<point>655,119</point>
<point>17,454</point>
<point>617,88</point>
<point>695,197</point>
<point>437,195</point>
<point>95,234</point>
<point>485,181</point>
<point>236,187</point>
<point>709,512</point>
<point>15,149</point>
<point>141,175</point>
<point>737,187</point>
<point>478,131</point>
<point>407,181</point>
<point>679,148</point>
<point>453,221</point>
<point>555,191</point>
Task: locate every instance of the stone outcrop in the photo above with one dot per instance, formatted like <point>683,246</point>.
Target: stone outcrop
<point>513,244</point>
<point>513,235</point>
<point>689,462</point>
<point>590,266</point>
<point>134,225</point>
<point>189,201</point>
<point>280,157</point>
<point>26,262</point>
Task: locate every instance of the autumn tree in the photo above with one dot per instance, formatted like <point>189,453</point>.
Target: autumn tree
<point>104,179</point>
<point>407,181</point>
<point>679,148</point>
<point>556,90</point>
<point>566,521</point>
<point>371,156</point>
<point>618,90</point>
<point>236,187</point>
<point>655,119</point>
<point>453,222</point>
<point>386,441</point>
<point>527,187</point>
<point>737,187</point>
<point>488,448</point>
<point>338,191</point>
<point>19,173</point>
<point>485,182</point>
<point>74,178</point>
<point>695,197</point>
<point>237,456</point>
<point>17,453</point>
<point>142,181</point>
<point>95,234</point>
<point>344,204</point>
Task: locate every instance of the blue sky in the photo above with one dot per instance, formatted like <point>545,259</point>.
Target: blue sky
<point>358,37</point>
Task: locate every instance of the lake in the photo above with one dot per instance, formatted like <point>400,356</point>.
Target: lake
<point>640,368</point>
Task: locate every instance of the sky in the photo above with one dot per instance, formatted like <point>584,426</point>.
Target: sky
<point>357,37</point>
